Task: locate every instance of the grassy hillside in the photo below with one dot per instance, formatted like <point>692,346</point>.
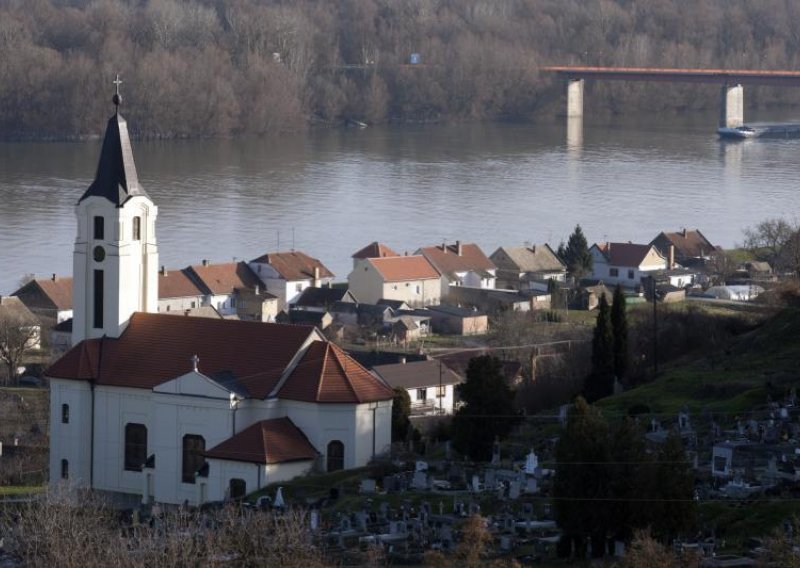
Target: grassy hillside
<point>736,378</point>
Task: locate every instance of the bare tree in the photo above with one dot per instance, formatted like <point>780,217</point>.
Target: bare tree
<point>19,335</point>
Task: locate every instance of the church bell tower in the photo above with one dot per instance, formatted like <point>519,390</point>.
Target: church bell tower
<point>115,262</point>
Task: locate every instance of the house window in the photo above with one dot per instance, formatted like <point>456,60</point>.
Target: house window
<point>394,287</point>
<point>237,489</point>
<point>298,287</point>
<point>422,395</point>
<point>135,446</point>
<point>99,228</point>
<point>64,469</point>
<point>613,272</point>
<point>418,290</point>
<point>65,413</point>
<point>335,456</point>
<point>630,274</point>
<point>137,228</point>
<point>193,460</point>
<point>233,302</point>
<point>167,307</point>
<point>98,299</point>
<point>441,391</point>
<point>194,305</point>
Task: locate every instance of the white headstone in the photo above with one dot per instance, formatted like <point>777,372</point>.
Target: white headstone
<point>279,502</point>
<point>531,463</point>
<point>476,483</point>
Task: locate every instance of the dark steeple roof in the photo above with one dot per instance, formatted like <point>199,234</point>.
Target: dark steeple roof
<point>116,178</point>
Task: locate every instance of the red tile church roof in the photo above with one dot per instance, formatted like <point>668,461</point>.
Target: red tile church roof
<point>327,374</point>
<point>156,348</point>
<point>266,442</point>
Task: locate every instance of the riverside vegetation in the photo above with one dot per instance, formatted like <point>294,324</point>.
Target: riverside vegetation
<point>223,67</point>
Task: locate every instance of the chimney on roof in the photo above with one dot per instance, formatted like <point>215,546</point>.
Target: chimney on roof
<point>671,257</point>
<point>256,290</point>
<point>444,246</point>
<point>315,283</point>
<point>459,249</point>
<point>684,232</point>
<point>405,254</point>
<point>163,270</point>
<point>205,262</point>
<point>533,249</point>
<point>195,362</point>
<point>54,278</point>
<point>403,360</point>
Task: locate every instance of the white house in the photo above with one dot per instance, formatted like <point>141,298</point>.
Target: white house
<point>287,274</point>
<point>430,384</point>
<point>152,407</point>
<point>412,279</point>
<point>178,292</point>
<point>625,263</point>
<point>224,284</point>
<point>461,264</point>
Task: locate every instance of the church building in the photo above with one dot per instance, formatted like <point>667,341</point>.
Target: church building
<point>160,408</point>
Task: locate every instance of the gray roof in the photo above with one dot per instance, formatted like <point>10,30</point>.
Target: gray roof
<point>323,297</point>
<point>417,374</point>
<point>538,258</point>
<point>116,178</point>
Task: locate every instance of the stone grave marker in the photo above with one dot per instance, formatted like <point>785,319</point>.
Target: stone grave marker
<point>368,486</point>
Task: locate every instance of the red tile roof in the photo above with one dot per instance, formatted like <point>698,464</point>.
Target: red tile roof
<point>176,284</point>
<point>156,348</point>
<point>294,265</point>
<point>398,268</point>
<point>266,442</point>
<point>328,374</point>
<point>375,250</point>
<point>688,244</point>
<point>448,260</point>
<point>56,290</point>
<point>624,254</point>
<point>224,278</point>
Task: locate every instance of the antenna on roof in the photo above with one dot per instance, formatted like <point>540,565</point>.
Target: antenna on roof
<point>292,239</point>
<point>279,240</point>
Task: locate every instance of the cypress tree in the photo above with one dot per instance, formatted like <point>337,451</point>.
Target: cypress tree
<point>619,324</point>
<point>601,382</point>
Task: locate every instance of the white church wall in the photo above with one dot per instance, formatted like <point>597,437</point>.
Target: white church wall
<point>378,415</point>
<point>220,473</point>
<point>70,441</point>
<point>278,472</point>
<point>114,408</point>
<point>175,417</point>
<point>323,423</point>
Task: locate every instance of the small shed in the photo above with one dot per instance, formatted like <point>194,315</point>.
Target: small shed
<point>453,320</point>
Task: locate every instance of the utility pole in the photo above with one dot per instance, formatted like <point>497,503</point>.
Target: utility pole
<point>655,328</point>
<point>441,395</point>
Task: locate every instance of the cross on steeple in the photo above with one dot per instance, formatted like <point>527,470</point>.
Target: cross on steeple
<point>117,98</point>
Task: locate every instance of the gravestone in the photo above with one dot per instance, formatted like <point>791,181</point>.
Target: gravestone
<point>367,486</point>
<point>474,508</point>
<point>314,519</point>
<point>527,510</point>
<point>420,480</point>
<point>476,484</point>
<point>490,479</point>
<point>531,485</point>
<point>421,466</point>
<point>514,490</point>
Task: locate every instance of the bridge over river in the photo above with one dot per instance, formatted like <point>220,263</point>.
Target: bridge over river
<point>730,80</point>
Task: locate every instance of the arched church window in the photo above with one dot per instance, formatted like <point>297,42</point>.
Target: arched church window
<point>335,456</point>
<point>193,459</point>
<point>64,469</point>
<point>137,228</point>
<point>65,413</point>
<point>135,446</point>
<point>99,228</point>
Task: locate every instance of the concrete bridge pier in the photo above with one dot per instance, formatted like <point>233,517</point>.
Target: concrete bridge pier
<point>574,98</point>
<point>731,106</point>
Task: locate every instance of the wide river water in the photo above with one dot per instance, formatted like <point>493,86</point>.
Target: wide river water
<point>330,192</point>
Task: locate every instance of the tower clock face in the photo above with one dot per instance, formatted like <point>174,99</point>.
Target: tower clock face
<point>99,254</point>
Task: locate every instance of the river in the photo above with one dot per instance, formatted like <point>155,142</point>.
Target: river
<point>330,192</point>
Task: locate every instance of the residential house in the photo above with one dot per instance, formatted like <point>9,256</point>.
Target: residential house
<point>223,285</point>
<point>528,267</point>
<point>50,299</point>
<point>372,250</point>
<point>461,264</point>
<point>759,270</point>
<point>494,301</point>
<point>625,263</point>
<point>178,291</point>
<point>453,320</point>
<point>149,407</point>
<point>412,279</point>
<point>684,247</point>
<point>430,384</point>
<point>409,327</point>
<point>322,299</point>
<point>287,274</point>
